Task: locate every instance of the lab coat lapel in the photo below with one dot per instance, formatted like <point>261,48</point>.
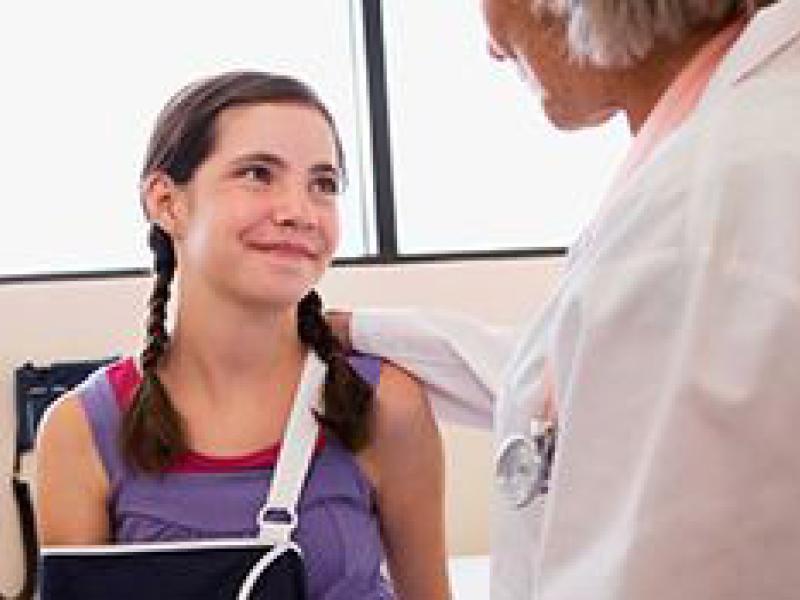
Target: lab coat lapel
<point>770,32</point>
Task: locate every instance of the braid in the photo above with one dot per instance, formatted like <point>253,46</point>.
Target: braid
<point>347,398</point>
<point>157,338</point>
<point>152,435</point>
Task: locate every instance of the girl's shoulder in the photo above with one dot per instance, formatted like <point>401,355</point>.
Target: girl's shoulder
<point>77,414</point>
<point>89,417</point>
<point>399,399</point>
<point>402,424</point>
<point>69,472</point>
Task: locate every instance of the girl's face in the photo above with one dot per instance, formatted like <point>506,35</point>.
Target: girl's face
<point>258,221</point>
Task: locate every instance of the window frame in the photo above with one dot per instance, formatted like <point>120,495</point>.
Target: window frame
<point>383,211</point>
<point>388,251</point>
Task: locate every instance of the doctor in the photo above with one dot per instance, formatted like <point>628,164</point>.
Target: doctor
<point>666,361</point>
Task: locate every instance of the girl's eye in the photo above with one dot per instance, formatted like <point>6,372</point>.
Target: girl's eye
<point>257,173</point>
<point>326,185</point>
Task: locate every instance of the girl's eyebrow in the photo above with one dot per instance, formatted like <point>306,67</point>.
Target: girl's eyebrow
<point>274,159</point>
<point>261,157</point>
<point>324,168</point>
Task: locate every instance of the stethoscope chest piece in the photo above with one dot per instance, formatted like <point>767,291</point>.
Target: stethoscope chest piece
<point>522,466</point>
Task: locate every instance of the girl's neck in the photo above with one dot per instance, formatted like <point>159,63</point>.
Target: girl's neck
<point>222,351</point>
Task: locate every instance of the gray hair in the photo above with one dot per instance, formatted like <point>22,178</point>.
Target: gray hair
<point>619,33</point>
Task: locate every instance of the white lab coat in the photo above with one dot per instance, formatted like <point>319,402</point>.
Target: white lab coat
<point>674,344</point>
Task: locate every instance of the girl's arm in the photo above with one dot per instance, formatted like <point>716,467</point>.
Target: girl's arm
<point>71,483</point>
<point>405,462</point>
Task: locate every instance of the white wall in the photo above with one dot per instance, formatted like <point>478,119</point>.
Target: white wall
<point>48,322</point>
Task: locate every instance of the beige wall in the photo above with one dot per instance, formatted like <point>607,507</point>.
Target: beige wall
<point>75,320</point>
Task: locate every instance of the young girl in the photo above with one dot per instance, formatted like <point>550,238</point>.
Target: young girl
<point>240,185</point>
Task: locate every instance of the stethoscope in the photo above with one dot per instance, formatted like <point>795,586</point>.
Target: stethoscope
<point>523,464</point>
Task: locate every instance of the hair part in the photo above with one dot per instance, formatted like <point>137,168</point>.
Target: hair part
<point>152,433</point>
<point>620,33</point>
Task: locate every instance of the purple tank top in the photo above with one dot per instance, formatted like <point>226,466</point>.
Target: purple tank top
<point>204,497</point>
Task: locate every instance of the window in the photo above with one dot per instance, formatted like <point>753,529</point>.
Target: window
<point>476,166</point>
<point>473,165</point>
<point>83,82</point>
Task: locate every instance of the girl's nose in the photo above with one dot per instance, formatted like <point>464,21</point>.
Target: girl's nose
<point>294,209</point>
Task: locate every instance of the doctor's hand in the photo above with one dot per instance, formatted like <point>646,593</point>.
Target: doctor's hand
<point>340,324</point>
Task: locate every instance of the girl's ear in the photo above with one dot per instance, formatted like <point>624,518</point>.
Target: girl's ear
<point>165,204</point>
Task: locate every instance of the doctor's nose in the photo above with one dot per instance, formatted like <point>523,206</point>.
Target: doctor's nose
<point>495,51</point>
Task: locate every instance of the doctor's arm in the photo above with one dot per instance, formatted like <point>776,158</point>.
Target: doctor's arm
<point>460,362</point>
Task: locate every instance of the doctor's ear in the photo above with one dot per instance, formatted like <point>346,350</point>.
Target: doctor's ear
<point>164,203</point>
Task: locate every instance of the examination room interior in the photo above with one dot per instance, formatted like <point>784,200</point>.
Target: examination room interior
<point>462,200</point>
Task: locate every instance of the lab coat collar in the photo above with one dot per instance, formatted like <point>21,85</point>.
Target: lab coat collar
<point>771,30</point>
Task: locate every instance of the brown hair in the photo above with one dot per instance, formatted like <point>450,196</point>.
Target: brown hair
<point>152,435</point>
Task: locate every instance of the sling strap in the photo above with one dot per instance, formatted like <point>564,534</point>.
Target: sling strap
<point>277,518</point>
